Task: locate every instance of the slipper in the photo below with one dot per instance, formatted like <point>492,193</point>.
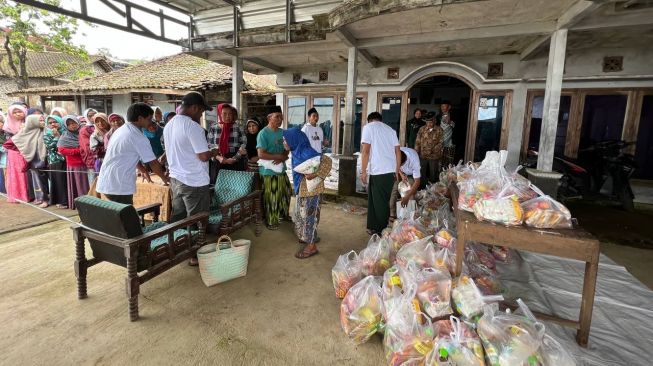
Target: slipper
<point>193,262</point>
<point>304,255</point>
<point>317,240</point>
<point>272,227</point>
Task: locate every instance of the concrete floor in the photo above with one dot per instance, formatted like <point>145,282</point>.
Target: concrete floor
<point>283,312</point>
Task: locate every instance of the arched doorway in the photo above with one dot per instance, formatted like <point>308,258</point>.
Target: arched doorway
<point>429,94</point>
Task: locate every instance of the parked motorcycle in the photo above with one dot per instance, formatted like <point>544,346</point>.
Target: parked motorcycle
<point>601,172</point>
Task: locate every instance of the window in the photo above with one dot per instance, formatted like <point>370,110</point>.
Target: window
<point>391,111</point>
<point>488,130</point>
<point>142,97</point>
<point>296,111</point>
<point>536,124</point>
<point>103,104</point>
<point>324,107</point>
<point>603,119</point>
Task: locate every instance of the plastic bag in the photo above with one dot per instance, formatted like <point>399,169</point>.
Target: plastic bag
<point>479,253</point>
<point>434,292</point>
<point>467,298</point>
<point>546,213</point>
<point>456,345</point>
<point>404,188</point>
<point>406,231</point>
<point>375,258</point>
<point>445,259</point>
<point>310,166</point>
<point>485,182</point>
<point>361,310</point>
<point>408,334</point>
<point>392,289</point>
<point>269,164</point>
<point>421,252</point>
<point>552,353</point>
<point>406,212</point>
<point>520,186</point>
<point>503,209</point>
<point>509,339</point>
<point>346,273</point>
<point>445,238</point>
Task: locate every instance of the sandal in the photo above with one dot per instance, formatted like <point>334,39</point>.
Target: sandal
<point>193,262</point>
<point>303,254</point>
<point>317,240</point>
<point>272,227</point>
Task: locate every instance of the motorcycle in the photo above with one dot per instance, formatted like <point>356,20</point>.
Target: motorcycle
<point>601,172</point>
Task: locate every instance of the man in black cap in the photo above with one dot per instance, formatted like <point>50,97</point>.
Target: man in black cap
<point>313,132</point>
<point>429,147</point>
<point>447,124</point>
<point>188,154</point>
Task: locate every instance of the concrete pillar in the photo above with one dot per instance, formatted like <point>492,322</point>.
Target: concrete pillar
<point>516,126</point>
<point>554,75</point>
<point>236,81</point>
<point>350,103</point>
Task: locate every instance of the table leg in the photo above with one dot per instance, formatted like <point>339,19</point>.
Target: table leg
<point>460,248</point>
<point>587,302</point>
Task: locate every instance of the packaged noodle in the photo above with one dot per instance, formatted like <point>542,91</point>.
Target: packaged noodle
<point>408,333</point>
<point>421,252</point>
<point>546,213</point>
<point>361,310</point>
<point>345,273</point>
<point>456,344</point>
<point>376,257</point>
<point>509,339</point>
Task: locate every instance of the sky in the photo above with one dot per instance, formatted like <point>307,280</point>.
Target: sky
<point>121,44</point>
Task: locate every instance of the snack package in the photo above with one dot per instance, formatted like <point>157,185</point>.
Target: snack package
<point>445,238</point>
<point>502,209</point>
<point>310,166</point>
<point>434,291</point>
<point>421,252</point>
<point>408,333</point>
<point>544,212</point>
<point>467,298</point>
<point>375,258</point>
<point>509,339</point>
<point>361,310</point>
<point>345,273</point>
<point>456,344</point>
<point>406,231</point>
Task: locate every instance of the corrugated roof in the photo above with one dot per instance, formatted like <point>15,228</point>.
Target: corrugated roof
<point>51,64</point>
<point>182,71</point>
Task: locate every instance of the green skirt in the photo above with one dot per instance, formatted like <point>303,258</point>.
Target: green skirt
<point>276,198</point>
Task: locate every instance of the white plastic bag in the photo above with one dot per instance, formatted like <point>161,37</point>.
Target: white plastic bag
<point>408,211</point>
<point>361,310</point>
<point>346,273</point>
<point>269,164</point>
<point>310,166</point>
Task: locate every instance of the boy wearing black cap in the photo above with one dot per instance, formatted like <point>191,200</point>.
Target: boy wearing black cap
<point>187,153</point>
<point>313,132</point>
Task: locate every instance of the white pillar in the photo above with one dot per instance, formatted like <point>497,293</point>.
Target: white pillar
<point>350,102</point>
<point>554,74</point>
<point>516,127</point>
<point>236,82</point>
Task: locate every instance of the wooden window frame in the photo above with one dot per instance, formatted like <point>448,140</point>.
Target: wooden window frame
<point>336,136</point>
<point>470,145</point>
<point>402,114</point>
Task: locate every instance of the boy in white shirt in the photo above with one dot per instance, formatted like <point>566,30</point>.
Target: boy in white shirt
<point>128,148</point>
<point>313,132</point>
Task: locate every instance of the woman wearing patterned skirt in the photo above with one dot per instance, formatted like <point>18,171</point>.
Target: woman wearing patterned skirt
<point>68,146</point>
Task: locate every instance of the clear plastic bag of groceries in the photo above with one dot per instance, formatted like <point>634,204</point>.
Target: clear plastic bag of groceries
<point>485,278</point>
<point>393,288</point>
<point>456,344</point>
<point>510,338</point>
<point>361,311</point>
<point>445,238</point>
<point>406,231</point>
<point>544,212</point>
<point>552,353</point>
<point>468,299</point>
<point>434,291</point>
<point>421,252</point>
<point>346,272</point>
<point>445,259</point>
<point>476,253</point>
<point>376,257</point>
<point>519,186</point>
<point>502,209</point>
<point>408,334</point>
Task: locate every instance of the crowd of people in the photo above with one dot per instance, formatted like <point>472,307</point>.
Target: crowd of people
<point>52,159</point>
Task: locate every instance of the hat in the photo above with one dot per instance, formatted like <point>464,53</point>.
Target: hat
<point>274,109</point>
<point>311,111</point>
<point>195,98</point>
<point>429,115</point>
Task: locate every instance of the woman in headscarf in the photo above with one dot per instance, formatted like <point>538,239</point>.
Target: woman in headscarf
<point>228,137</point>
<point>307,211</point>
<point>85,133</point>
<point>59,111</point>
<point>102,128</point>
<point>3,155</point>
<point>16,181</point>
<point>253,127</point>
<point>154,134</point>
<point>56,162</point>
<point>158,116</point>
<point>29,143</point>
<point>116,121</point>
<point>69,146</point>
<point>167,117</point>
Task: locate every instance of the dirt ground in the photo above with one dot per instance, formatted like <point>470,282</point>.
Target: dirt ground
<point>17,216</point>
<point>283,312</point>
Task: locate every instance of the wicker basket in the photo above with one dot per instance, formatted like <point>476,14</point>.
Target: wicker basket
<point>220,262</point>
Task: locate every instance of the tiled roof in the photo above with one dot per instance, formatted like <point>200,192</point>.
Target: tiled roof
<point>182,71</point>
<point>50,64</point>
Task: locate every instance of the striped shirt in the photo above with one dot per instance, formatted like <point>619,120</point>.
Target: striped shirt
<point>236,139</point>
<point>447,128</point>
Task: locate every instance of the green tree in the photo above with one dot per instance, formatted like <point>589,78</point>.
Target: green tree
<point>32,29</point>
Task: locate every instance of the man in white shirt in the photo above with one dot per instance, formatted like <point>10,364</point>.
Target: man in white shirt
<point>380,161</point>
<point>128,148</point>
<point>187,154</point>
<point>313,132</point>
<point>410,173</point>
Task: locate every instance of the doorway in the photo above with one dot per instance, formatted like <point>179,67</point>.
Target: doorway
<point>430,93</point>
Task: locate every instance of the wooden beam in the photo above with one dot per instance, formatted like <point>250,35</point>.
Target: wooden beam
<point>458,35</point>
<point>348,39</point>
<point>632,118</point>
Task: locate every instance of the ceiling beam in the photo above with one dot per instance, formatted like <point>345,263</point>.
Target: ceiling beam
<point>265,64</point>
<point>348,40</point>
<point>458,35</point>
<point>252,60</point>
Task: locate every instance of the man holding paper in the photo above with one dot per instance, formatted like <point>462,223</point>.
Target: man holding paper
<point>410,174</point>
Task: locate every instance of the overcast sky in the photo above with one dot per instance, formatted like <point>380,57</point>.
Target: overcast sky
<point>121,44</point>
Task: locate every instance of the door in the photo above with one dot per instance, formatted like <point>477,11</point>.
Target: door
<point>361,102</point>
<point>487,130</point>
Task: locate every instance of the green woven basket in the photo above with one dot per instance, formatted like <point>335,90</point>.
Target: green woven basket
<point>224,260</point>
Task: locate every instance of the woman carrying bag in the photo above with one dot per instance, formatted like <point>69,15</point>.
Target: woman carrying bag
<point>29,142</point>
<point>56,162</point>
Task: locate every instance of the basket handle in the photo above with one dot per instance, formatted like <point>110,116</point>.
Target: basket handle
<point>231,244</point>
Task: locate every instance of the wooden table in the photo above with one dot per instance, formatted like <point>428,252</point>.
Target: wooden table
<point>566,243</point>
<point>156,192</point>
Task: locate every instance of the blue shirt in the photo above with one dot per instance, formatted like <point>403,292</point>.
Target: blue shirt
<point>272,142</point>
